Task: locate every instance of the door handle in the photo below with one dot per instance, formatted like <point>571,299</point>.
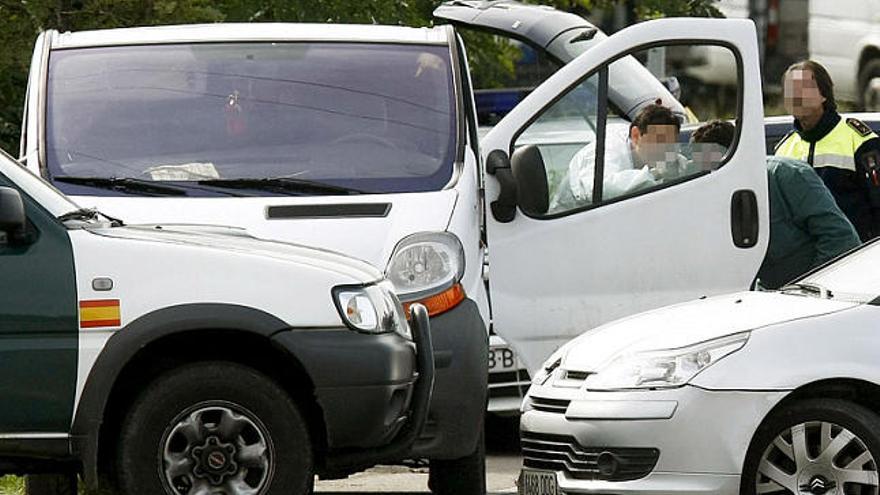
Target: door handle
<point>744,218</point>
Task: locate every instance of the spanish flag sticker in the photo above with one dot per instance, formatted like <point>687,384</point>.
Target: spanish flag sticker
<point>99,313</point>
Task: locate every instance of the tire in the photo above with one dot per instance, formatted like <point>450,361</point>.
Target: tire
<point>50,484</point>
<point>210,419</point>
<point>847,433</point>
<point>869,86</point>
<point>463,476</point>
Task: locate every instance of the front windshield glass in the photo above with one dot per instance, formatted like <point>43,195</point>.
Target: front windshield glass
<point>376,118</point>
<point>854,277</point>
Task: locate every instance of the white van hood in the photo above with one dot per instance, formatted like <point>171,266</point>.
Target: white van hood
<point>368,238</point>
<point>681,325</point>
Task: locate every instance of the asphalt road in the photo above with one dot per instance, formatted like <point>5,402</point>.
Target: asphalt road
<point>502,468</point>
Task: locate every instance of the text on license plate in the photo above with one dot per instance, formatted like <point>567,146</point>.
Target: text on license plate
<point>501,359</point>
<point>537,483</point>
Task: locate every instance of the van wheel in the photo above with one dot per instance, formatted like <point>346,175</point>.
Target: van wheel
<point>815,446</point>
<point>463,476</point>
<point>50,484</point>
<point>869,86</point>
<point>214,427</point>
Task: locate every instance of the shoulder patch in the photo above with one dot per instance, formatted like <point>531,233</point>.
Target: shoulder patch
<point>859,126</point>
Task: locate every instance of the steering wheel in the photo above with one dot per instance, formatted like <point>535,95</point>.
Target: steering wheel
<point>364,137</point>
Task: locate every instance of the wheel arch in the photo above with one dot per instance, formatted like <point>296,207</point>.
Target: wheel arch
<point>164,339</point>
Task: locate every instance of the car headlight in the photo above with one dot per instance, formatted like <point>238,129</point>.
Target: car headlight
<point>664,368</point>
<point>371,308</point>
<point>426,268</point>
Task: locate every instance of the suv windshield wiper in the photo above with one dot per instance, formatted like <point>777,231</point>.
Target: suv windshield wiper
<point>809,288</point>
<point>125,184</point>
<point>281,184</point>
<point>87,214</point>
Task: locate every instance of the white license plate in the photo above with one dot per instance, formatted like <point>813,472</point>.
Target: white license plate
<point>537,483</point>
<point>502,359</point>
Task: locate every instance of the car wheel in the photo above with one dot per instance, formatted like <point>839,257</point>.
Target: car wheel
<point>816,446</point>
<point>463,476</point>
<point>214,427</point>
<point>869,86</point>
<point>50,484</point>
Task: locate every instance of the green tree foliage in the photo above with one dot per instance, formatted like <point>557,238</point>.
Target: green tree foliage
<point>491,58</point>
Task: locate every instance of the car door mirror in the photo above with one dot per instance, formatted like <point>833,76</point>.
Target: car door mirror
<point>533,194</point>
<point>12,217</point>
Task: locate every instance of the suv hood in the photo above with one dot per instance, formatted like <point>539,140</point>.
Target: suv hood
<point>690,323</point>
<point>236,240</point>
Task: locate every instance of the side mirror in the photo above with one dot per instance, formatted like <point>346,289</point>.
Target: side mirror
<point>533,194</point>
<point>12,217</point>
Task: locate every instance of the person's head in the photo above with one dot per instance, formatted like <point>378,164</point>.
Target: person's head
<point>709,143</point>
<point>808,90</point>
<point>654,133</point>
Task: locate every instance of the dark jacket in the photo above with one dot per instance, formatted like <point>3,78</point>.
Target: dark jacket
<point>807,228</point>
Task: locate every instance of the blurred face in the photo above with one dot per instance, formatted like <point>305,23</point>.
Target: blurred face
<point>802,96</point>
<point>708,156</point>
<point>656,144</point>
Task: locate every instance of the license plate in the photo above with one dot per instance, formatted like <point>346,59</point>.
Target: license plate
<point>501,359</point>
<point>537,483</point>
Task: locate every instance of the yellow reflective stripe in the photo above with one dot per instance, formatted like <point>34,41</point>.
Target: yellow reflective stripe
<point>99,313</point>
<point>833,160</point>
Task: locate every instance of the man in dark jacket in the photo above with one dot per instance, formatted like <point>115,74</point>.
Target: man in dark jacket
<point>807,228</point>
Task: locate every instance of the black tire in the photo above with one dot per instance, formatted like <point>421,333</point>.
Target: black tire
<point>50,484</point>
<point>869,71</point>
<point>860,421</point>
<point>463,476</point>
<point>184,411</point>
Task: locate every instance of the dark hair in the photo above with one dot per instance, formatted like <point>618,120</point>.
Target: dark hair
<point>717,131</point>
<point>655,114</point>
<point>823,81</point>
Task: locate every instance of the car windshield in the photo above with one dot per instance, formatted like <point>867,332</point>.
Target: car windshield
<point>357,117</point>
<point>854,277</point>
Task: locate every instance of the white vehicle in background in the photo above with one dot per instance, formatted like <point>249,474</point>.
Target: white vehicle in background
<point>746,393</point>
<point>845,39</point>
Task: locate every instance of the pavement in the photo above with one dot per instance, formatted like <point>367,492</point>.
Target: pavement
<point>502,468</point>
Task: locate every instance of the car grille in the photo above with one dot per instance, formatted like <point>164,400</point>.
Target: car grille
<point>549,405</point>
<point>564,453</point>
<point>509,384</point>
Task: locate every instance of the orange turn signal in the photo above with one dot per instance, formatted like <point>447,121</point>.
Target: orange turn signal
<point>440,303</point>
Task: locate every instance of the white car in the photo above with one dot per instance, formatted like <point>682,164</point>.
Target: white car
<point>752,392</point>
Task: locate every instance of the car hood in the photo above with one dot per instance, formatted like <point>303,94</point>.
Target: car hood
<point>237,241</point>
<point>682,325</point>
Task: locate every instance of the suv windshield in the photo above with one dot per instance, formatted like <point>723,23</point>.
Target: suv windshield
<point>357,117</point>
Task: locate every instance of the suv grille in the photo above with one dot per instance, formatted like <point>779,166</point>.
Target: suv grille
<point>564,453</point>
<point>509,384</point>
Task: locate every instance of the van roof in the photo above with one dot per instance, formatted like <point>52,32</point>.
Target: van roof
<point>255,31</point>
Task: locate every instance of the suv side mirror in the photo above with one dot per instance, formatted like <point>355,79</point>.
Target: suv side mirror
<point>533,195</point>
<point>12,217</point>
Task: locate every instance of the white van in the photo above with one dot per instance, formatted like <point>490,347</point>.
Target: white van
<point>845,38</point>
<point>363,139</point>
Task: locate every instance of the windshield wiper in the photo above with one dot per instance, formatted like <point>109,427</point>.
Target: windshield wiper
<point>809,288</point>
<point>88,214</point>
<point>281,184</point>
<point>124,184</point>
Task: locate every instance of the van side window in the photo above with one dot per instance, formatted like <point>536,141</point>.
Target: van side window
<point>639,139</point>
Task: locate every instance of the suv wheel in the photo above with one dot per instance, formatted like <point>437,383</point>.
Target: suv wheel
<point>50,484</point>
<point>816,446</point>
<point>463,476</point>
<point>214,427</point>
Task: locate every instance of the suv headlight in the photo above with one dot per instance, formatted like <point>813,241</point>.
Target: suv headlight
<point>426,268</point>
<point>665,368</point>
<point>371,308</point>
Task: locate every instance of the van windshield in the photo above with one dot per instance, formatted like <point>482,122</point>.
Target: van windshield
<point>355,117</point>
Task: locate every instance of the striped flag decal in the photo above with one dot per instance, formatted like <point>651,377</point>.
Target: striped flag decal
<point>99,313</point>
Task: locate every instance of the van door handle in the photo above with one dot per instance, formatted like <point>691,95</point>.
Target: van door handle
<point>744,218</point>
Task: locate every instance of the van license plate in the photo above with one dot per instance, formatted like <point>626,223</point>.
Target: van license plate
<point>502,359</point>
<point>537,483</point>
